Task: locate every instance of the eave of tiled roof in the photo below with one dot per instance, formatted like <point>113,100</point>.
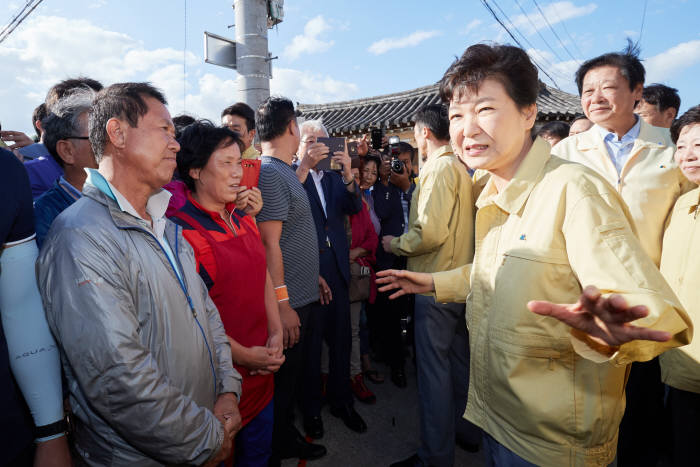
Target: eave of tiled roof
<point>396,110</point>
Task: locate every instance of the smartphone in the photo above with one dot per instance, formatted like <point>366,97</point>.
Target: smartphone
<point>377,135</point>
<point>352,149</point>
<point>335,144</point>
<point>251,173</point>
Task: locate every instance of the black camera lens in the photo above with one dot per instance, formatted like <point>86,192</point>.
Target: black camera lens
<point>397,165</point>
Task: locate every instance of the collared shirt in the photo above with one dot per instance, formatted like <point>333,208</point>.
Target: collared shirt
<point>440,234</point>
<point>650,181</point>
<point>317,176</point>
<point>250,153</point>
<point>547,395</point>
<point>620,149</point>
<point>680,265</point>
<point>156,206</point>
<point>43,173</point>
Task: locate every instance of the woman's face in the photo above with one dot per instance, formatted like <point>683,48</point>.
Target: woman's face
<point>688,152</point>
<point>219,180</point>
<point>369,174</point>
<point>488,129</point>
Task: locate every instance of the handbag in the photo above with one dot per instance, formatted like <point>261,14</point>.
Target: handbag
<point>359,282</point>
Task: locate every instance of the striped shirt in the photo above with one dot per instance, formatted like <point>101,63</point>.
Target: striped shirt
<point>284,199</point>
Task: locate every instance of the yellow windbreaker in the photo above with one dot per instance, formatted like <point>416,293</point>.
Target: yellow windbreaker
<point>533,386</point>
<point>650,181</point>
<point>441,219</point>
<point>680,265</point>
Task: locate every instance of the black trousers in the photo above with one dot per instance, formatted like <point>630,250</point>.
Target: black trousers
<point>286,384</point>
<point>684,414</point>
<point>642,428</point>
<point>330,323</point>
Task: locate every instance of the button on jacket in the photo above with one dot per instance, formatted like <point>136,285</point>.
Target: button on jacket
<point>441,219</point>
<point>542,393</point>
<point>680,265</point>
<point>650,181</point>
<point>145,358</point>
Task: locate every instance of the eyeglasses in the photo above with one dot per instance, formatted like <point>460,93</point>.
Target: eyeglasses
<point>77,137</point>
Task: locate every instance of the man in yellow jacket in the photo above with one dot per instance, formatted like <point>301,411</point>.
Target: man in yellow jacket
<point>680,368</point>
<point>637,159</point>
<point>439,238</point>
<point>553,238</point>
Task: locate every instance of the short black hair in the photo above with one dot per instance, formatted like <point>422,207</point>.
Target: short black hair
<point>121,100</point>
<point>507,64</point>
<point>663,97</point>
<point>198,142</point>
<point>556,128</point>
<point>273,117</point>
<point>577,118</point>
<point>690,117</point>
<point>38,115</point>
<point>434,118</point>
<point>626,61</point>
<point>243,110</point>
<point>60,89</point>
<point>181,121</point>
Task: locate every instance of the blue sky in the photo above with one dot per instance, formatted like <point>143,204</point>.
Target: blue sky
<point>328,50</point>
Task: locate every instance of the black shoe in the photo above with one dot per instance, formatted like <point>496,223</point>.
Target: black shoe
<point>466,445</point>
<point>398,377</point>
<point>299,448</point>
<point>413,461</point>
<point>350,417</point>
<point>313,426</point>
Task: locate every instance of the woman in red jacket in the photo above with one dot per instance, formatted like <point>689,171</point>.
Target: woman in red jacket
<point>231,261</point>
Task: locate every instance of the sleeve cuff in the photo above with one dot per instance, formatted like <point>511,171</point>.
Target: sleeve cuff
<point>591,349</point>
<point>231,384</point>
<point>450,286</point>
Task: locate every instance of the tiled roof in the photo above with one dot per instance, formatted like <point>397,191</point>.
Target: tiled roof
<point>396,110</point>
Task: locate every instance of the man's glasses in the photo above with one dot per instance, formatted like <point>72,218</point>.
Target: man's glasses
<point>77,137</point>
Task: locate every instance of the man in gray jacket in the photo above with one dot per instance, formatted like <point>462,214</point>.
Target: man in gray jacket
<point>148,364</point>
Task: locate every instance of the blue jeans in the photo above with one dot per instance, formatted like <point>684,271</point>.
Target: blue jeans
<point>497,455</point>
<point>254,442</point>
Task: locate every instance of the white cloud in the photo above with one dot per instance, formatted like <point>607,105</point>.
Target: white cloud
<point>630,33</point>
<point>562,72</point>
<point>554,12</point>
<point>665,65</point>
<point>473,24</point>
<point>310,88</point>
<point>384,45</point>
<point>309,42</point>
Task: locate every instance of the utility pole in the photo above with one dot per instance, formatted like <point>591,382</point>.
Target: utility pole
<point>252,58</point>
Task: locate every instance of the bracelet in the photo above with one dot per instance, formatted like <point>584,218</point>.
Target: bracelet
<point>52,429</point>
<point>352,179</point>
<point>281,292</point>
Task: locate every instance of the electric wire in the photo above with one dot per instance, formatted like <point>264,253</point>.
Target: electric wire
<point>566,30</point>
<point>498,20</point>
<point>641,29</point>
<point>537,30</point>
<point>19,18</point>
<point>553,30</point>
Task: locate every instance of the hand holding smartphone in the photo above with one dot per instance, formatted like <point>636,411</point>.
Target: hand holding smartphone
<point>251,173</point>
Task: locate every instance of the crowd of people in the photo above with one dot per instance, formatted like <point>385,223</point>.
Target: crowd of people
<point>174,290</point>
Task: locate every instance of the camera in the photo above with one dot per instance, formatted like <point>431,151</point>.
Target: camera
<point>397,165</point>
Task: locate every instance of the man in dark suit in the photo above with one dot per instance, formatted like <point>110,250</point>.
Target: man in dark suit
<point>392,200</point>
<point>332,196</point>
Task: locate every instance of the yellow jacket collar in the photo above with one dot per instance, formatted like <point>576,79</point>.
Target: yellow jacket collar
<point>649,136</point>
<point>516,192</point>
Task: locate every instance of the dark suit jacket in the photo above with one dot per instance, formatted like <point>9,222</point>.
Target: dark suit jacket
<point>387,207</point>
<point>339,203</point>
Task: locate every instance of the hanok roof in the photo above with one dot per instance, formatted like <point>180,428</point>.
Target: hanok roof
<point>396,110</point>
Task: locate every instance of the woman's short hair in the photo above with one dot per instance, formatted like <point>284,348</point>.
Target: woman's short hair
<point>198,141</point>
<point>507,64</point>
<point>690,117</point>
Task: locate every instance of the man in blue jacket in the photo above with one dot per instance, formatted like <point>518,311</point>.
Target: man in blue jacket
<point>332,196</point>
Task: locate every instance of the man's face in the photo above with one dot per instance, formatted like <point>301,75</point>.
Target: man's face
<point>421,143</point>
<point>606,97</point>
<point>688,152</point>
<point>651,114</point>
<point>238,124</point>
<point>579,126</point>
<point>150,148</point>
<point>487,128</point>
<point>309,137</point>
<point>82,150</point>
<point>405,157</point>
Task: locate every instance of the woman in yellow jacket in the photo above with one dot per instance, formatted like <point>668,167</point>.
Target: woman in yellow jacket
<point>549,357</point>
<point>680,368</point>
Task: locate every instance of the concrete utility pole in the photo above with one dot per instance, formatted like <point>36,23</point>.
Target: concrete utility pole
<point>253,83</point>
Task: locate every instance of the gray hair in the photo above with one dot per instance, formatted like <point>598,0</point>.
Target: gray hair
<point>64,119</point>
<point>313,125</point>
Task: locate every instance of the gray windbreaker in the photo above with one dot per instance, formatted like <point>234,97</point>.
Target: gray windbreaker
<point>144,366</point>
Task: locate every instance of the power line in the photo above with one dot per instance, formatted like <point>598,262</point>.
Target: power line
<point>641,29</point>
<point>566,30</point>
<point>552,29</point>
<point>498,20</point>
<point>538,31</point>
<point>17,20</point>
